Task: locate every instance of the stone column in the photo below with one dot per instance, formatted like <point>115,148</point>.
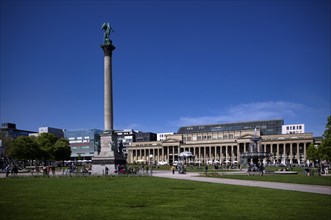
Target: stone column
<point>200,154</point>
<point>168,151</point>
<point>108,86</point>
<point>298,153</point>
<point>238,153</point>
<point>291,153</point>
<point>130,155</point>
<point>215,152</point>
<point>305,152</point>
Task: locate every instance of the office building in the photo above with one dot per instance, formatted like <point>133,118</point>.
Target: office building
<point>83,143</point>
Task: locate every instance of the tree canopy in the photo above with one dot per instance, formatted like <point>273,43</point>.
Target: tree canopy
<point>324,151</point>
<point>25,148</point>
<point>312,152</point>
<point>62,150</point>
<point>46,147</point>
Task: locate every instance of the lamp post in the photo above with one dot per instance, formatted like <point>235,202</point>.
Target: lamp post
<point>151,163</point>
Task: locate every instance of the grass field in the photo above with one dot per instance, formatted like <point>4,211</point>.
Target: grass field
<point>151,198</point>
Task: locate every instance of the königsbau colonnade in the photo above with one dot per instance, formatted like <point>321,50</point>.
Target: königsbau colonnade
<point>223,147</point>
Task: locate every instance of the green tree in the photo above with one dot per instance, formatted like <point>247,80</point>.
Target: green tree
<point>324,150</point>
<point>6,143</point>
<point>46,142</point>
<point>312,153</point>
<point>62,150</point>
<point>24,148</point>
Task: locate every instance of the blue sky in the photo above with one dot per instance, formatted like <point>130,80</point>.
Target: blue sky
<point>176,63</point>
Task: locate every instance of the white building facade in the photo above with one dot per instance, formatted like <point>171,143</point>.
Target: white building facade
<point>293,129</point>
<point>163,136</point>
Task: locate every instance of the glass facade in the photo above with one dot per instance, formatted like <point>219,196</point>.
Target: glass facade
<point>10,130</point>
<point>267,127</point>
<point>125,138</point>
<point>83,143</point>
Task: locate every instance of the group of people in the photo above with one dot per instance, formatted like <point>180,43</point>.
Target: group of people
<point>47,170</point>
<point>11,169</point>
<point>323,169</point>
<point>180,168</point>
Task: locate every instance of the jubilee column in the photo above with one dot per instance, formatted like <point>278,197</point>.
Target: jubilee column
<point>109,152</point>
<point>108,48</point>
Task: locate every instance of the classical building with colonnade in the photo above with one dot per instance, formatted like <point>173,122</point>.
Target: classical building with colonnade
<point>225,143</point>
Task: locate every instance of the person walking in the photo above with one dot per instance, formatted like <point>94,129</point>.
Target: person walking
<point>173,169</point>
<point>15,170</point>
<point>7,169</point>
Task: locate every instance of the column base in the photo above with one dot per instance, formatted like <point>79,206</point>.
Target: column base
<point>99,166</point>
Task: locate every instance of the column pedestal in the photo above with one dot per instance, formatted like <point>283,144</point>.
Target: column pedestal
<point>105,157</point>
<point>108,156</point>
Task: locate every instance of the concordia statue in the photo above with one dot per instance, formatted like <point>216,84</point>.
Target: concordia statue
<point>107,29</point>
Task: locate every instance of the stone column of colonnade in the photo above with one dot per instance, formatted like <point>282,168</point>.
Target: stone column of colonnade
<point>223,152</point>
<point>292,147</point>
<point>291,153</point>
<point>298,151</point>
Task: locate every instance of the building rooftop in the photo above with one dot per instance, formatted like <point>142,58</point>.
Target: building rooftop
<point>266,127</point>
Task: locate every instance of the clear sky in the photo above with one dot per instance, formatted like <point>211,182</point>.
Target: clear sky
<point>176,63</point>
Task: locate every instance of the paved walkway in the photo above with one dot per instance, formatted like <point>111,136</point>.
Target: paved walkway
<point>272,185</point>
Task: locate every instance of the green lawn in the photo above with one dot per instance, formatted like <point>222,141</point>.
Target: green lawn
<point>151,198</point>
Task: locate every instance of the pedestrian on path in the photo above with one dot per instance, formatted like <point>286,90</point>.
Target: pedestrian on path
<point>173,169</point>
<point>7,169</point>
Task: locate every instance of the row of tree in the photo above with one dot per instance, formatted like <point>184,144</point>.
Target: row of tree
<point>45,147</point>
<point>322,152</point>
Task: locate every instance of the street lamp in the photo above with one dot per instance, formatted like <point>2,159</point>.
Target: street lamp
<point>151,163</point>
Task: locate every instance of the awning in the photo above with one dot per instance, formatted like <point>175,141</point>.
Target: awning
<point>186,154</point>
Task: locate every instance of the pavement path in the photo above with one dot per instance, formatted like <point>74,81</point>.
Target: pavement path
<point>272,185</point>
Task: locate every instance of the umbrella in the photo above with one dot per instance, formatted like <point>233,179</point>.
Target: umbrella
<point>185,154</point>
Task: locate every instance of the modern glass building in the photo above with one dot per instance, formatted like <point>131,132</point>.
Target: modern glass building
<point>125,138</point>
<point>10,130</point>
<point>83,143</point>
<point>267,127</point>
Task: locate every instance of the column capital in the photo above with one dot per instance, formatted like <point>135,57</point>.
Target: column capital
<point>107,48</point>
